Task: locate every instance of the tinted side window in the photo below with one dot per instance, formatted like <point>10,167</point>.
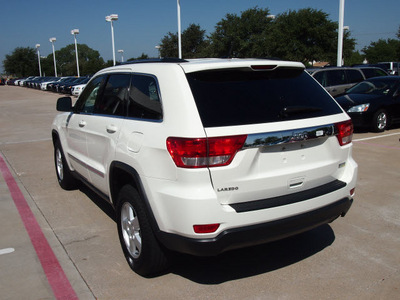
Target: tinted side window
<point>242,96</point>
<point>354,76</point>
<point>321,78</point>
<point>89,95</point>
<point>113,98</point>
<point>335,77</point>
<point>368,73</point>
<point>144,98</point>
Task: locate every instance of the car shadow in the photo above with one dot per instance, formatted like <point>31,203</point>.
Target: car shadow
<point>241,263</point>
<point>255,260</point>
<point>105,206</point>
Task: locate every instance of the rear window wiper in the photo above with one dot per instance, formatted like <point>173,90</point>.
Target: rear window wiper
<point>296,110</point>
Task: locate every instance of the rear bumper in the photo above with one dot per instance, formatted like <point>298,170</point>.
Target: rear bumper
<point>256,234</point>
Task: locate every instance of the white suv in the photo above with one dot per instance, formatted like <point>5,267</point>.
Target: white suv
<point>205,156</point>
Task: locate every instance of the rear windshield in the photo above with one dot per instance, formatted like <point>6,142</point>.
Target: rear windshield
<point>243,96</point>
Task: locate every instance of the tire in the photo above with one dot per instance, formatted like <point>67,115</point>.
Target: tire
<point>142,251</point>
<point>380,121</point>
<point>64,175</point>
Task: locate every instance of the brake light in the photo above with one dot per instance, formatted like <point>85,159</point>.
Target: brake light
<point>204,152</point>
<point>263,67</point>
<point>344,132</point>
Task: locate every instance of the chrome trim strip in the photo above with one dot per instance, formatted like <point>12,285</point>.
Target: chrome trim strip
<point>93,170</point>
<point>267,139</point>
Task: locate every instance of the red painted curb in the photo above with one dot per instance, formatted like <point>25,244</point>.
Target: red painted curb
<point>56,277</point>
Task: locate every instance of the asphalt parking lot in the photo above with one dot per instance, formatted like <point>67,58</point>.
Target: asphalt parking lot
<point>58,244</point>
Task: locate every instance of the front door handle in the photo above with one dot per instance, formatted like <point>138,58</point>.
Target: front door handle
<point>111,128</point>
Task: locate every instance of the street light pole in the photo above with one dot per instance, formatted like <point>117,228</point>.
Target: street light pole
<point>179,29</point>
<point>158,47</point>
<point>122,55</point>
<point>340,34</point>
<point>74,32</point>
<point>38,56</point>
<point>111,18</point>
<point>52,40</point>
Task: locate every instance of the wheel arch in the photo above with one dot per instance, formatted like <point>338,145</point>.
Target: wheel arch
<point>55,136</point>
<point>122,174</point>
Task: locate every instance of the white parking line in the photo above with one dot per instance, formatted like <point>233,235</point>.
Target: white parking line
<point>376,137</point>
<point>6,251</point>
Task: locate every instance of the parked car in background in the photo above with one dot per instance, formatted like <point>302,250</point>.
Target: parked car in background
<point>392,68</point>
<point>66,89</point>
<point>54,86</point>
<point>49,85</point>
<point>36,82</point>
<point>77,89</point>
<point>373,103</point>
<point>370,72</point>
<point>63,87</point>
<point>336,80</point>
<point>43,84</point>
<point>11,81</point>
<point>23,80</point>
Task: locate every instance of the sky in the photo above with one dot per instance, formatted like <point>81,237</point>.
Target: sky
<point>142,24</point>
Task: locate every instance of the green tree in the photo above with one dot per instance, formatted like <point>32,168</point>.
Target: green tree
<point>47,65</point>
<point>169,45</point>
<point>194,43</point>
<point>89,60</point>
<point>306,35</point>
<point>241,36</point>
<point>356,58</point>
<point>22,62</point>
<point>143,56</point>
<point>382,50</point>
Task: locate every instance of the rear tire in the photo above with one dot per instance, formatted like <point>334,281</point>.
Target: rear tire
<point>142,251</point>
<point>64,175</point>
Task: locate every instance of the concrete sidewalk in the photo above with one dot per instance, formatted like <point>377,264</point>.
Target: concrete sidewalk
<point>28,267</point>
<point>25,274</point>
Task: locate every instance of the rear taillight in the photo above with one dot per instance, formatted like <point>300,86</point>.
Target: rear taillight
<point>344,132</point>
<point>204,152</point>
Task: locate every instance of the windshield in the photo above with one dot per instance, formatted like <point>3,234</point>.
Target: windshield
<point>373,87</point>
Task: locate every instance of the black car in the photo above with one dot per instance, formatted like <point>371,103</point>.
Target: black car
<point>373,103</point>
<point>65,80</point>
<point>66,88</point>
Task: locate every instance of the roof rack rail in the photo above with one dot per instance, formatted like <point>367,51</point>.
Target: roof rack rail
<point>155,60</point>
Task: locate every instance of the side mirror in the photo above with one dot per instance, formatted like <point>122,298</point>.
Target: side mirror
<point>64,104</point>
